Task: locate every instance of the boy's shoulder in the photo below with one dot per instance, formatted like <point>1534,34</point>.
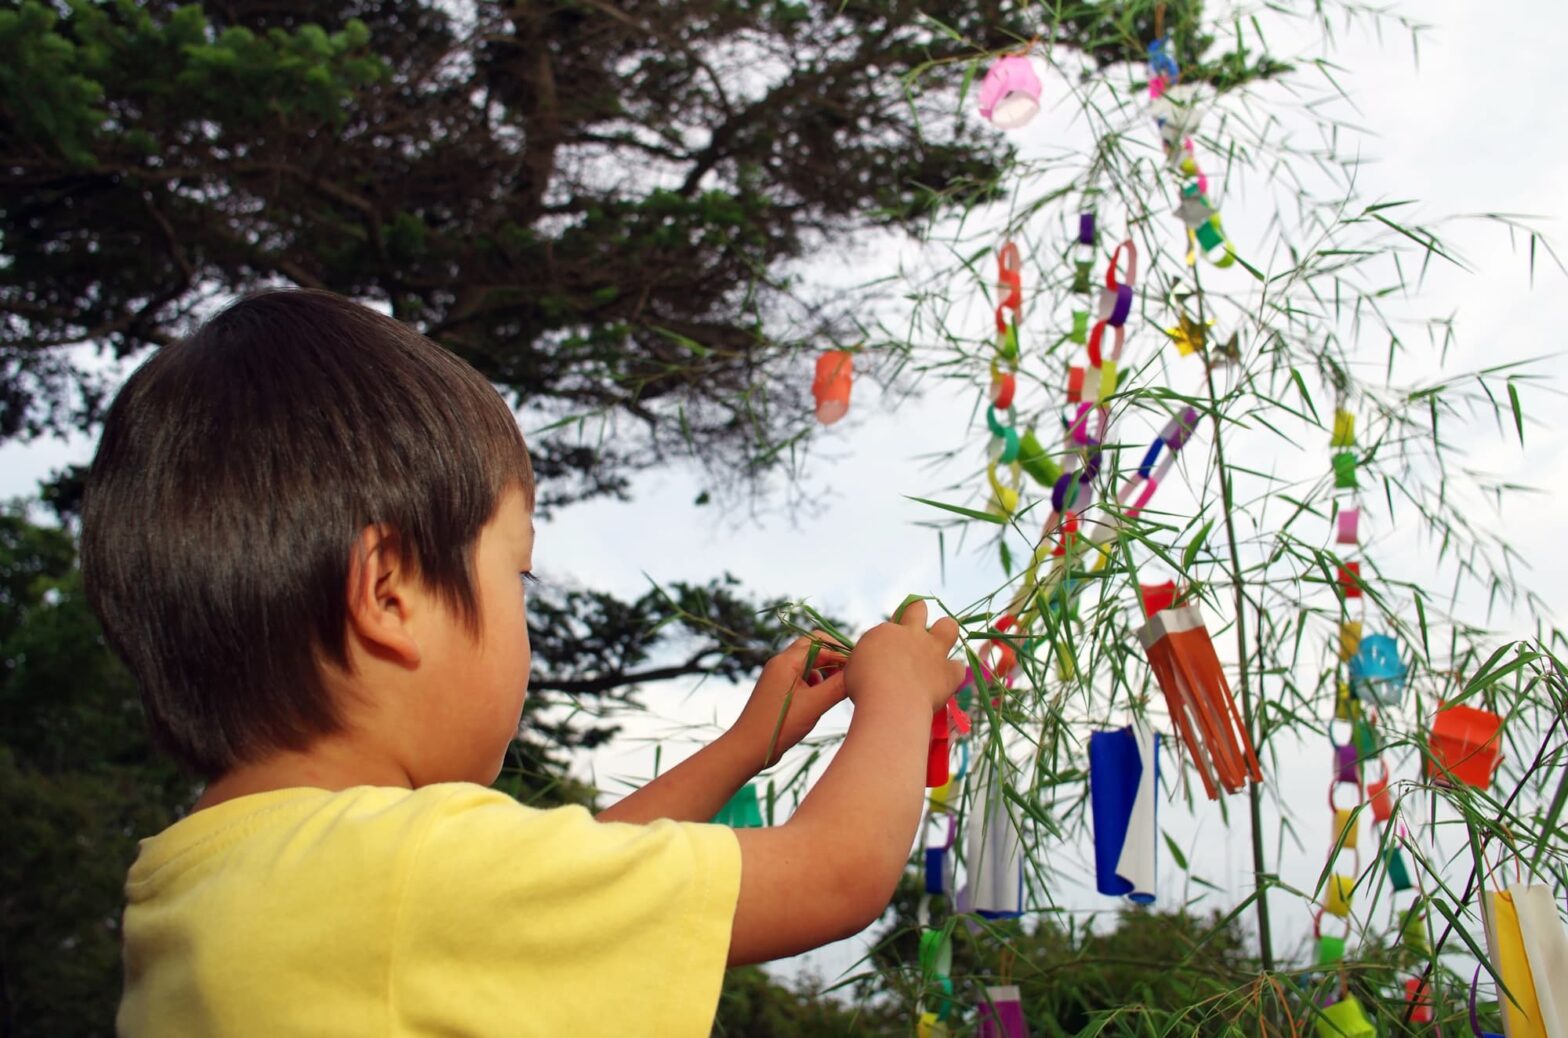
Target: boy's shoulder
<point>303,817</point>
<point>435,832</point>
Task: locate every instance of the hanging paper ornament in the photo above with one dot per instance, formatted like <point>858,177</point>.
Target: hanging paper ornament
<point>1368,745</point>
<point>835,373</point>
<point>1157,597</point>
<point>1349,519</point>
<point>1010,92</point>
<point>1529,950</point>
<point>1035,460</point>
<point>1346,832</point>
<point>1346,706</point>
<point>937,750</point>
<point>1419,997</point>
<point>1412,929</point>
<point>1349,639</point>
<point>1345,760</point>
<point>1080,332</point>
<point>742,811</point>
<point>1380,799</point>
<point>1345,471</point>
<point>1176,115</point>
<point>1001,1015</point>
<point>1336,900</point>
<point>994,852</point>
<point>1189,335</point>
<point>939,858</point>
<point>1398,874</point>
<point>1188,671</point>
<point>1123,779</point>
<point>1344,429</point>
<point>1376,671</point>
<point>1350,579</point>
<point>1331,950</point>
<point>1465,746</point>
<point>1345,1019</point>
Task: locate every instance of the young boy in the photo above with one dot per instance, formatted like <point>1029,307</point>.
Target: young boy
<point>307,531</point>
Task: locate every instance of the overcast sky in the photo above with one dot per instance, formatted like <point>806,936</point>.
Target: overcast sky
<point>1470,130</point>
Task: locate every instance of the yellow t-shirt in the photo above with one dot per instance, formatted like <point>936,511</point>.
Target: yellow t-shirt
<point>447,910</point>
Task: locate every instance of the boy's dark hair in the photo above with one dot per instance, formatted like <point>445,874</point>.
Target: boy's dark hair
<point>235,472</point>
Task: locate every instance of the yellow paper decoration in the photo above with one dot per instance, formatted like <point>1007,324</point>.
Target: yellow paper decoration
<point>930,1027</point>
<point>1344,824</point>
<point>1521,1006</point>
<point>1107,385</point>
<point>1344,429</point>
<point>1339,889</point>
<point>1346,706</point>
<point>1188,335</point>
<point>1349,639</point>
<point>939,797</point>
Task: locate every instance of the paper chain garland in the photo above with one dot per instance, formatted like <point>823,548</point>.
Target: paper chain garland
<point>1375,677</point>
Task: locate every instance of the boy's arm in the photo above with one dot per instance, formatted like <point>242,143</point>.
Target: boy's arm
<point>693,790</point>
<point>782,710</point>
<point>830,871</point>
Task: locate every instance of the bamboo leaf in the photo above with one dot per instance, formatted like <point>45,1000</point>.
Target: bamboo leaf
<point>968,513</point>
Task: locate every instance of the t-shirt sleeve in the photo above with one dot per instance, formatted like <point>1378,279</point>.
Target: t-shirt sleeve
<point>518,921</point>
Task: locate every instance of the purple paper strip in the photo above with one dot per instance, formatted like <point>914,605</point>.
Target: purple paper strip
<point>1123,307</point>
<point>1085,228</point>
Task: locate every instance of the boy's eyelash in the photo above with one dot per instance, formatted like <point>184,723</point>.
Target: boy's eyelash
<point>528,577</point>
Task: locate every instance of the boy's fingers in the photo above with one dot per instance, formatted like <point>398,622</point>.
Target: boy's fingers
<point>960,670</point>
<point>914,614</point>
<point>821,697</point>
<point>830,652</point>
<point>946,631</point>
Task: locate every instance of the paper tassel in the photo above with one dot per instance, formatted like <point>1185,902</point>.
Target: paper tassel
<point>1189,673</point>
<point>1123,780</point>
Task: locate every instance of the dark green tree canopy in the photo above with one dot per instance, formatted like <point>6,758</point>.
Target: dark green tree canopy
<point>602,205</point>
<point>597,204</point>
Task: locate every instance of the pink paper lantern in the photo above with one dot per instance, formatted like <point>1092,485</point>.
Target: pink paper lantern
<point>1010,92</point>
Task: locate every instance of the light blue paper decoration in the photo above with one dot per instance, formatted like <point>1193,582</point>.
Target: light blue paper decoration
<point>1377,671</point>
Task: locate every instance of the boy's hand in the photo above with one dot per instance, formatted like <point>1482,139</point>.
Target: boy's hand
<point>784,689</point>
<point>902,658</point>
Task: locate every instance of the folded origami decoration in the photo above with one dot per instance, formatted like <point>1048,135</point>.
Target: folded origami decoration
<point>1201,705</point>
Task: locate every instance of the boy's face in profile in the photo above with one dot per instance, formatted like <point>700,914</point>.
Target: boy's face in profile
<point>474,694</point>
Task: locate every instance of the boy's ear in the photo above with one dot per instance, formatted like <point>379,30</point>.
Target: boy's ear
<point>381,590</point>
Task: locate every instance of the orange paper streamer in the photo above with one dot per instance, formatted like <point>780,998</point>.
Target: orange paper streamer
<point>1189,673</point>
